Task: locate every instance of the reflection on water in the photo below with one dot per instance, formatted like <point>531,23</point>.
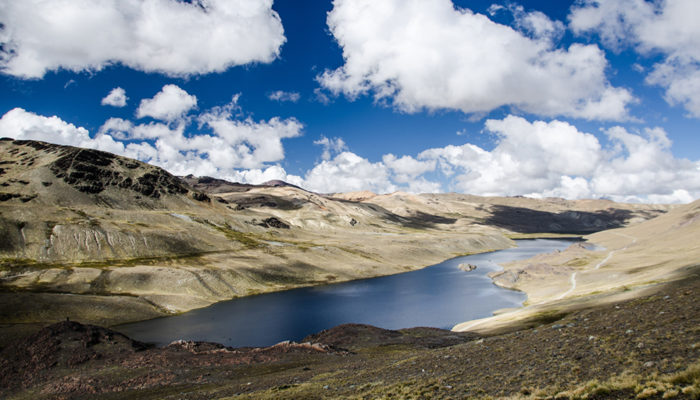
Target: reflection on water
<point>439,296</point>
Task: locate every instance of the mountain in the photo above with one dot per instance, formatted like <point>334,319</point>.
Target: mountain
<point>104,239</point>
<point>131,237</point>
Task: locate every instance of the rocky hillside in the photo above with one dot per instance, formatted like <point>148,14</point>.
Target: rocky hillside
<point>129,235</point>
<point>645,348</point>
<point>48,195</point>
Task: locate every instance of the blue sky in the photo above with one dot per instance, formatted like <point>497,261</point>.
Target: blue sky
<point>540,98</point>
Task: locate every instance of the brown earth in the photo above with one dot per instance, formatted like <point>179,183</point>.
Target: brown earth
<point>643,348</point>
<point>104,240</point>
<point>81,227</point>
<point>626,263</point>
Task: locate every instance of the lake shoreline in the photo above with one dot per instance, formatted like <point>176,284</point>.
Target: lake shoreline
<point>457,288</point>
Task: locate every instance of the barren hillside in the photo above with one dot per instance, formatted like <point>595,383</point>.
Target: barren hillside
<point>626,263</point>
<point>128,235</point>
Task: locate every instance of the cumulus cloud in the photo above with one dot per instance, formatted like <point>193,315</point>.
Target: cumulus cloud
<point>331,146</point>
<point>232,143</point>
<point>554,158</point>
<point>406,168</point>
<point>425,54</point>
<point>344,171</point>
<point>536,24</point>
<point>283,96</point>
<point>668,27</point>
<point>258,175</point>
<point>115,98</point>
<point>169,104</point>
<point>21,124</point>
<point>641,167</point>
<point>118,128</point>
<point>348,172</point>
<point>221,145</point>
<point>537,158</point>
<point>173,37</point>
<point>246,143</point>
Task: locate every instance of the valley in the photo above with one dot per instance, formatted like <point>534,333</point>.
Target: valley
<point>83,224</point>
<point>90,238</point>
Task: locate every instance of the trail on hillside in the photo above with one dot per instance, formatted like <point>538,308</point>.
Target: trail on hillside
<point>600,264</point>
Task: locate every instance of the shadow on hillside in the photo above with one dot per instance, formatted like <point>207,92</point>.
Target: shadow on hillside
<point>525,220</point>
<point>417,220</point>
<point>264,201</point>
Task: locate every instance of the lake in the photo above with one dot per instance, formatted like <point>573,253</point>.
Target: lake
<point>439,296</point>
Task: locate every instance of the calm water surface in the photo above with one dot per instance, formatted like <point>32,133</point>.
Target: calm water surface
<point>440,296</point>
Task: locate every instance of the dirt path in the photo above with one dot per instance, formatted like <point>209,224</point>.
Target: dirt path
<point>600,264</point>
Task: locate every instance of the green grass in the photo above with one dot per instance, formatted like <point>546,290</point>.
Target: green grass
<point>578,262</point>
<point>516,235</point>
<point>9,264</point>
<point>685,383</point>
<point>248,240</point>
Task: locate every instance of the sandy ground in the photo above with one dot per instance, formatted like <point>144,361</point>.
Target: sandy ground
<point>628,263</point>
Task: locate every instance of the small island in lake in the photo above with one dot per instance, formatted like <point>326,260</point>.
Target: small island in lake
<point>466,267</point>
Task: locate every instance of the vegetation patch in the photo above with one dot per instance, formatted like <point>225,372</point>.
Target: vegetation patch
<point>10,264</point>
<point>246,239</point>
<point>630,385</point>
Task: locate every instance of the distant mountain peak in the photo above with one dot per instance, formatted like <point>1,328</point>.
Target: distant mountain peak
<point>99,175</point>
<point>277,183</point>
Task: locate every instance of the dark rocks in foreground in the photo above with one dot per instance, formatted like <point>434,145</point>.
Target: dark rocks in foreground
<point>650,341</point>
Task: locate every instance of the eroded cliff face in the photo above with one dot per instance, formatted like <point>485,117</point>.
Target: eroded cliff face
<point>88,222</point>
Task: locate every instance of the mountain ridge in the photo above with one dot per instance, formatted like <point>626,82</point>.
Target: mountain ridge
<point>118,231</point>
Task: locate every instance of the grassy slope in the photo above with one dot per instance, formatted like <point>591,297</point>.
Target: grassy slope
<point>642,348</point>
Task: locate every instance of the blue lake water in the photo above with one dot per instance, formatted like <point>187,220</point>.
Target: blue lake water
<point>440,296</point>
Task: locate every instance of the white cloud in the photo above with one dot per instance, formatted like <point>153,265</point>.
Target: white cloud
<point>21,124</point>
<point>536,24</point>
<point>173,37</point>
<point>531,158</point>
<point>425,54</point>
<point>117,127</point>
<point>348,172</point>
<point>115,98</point>
<point>406,169</point>
<point>331,146</point>
<point>669,27</point>
<point>283,96</point>
<point>682,83</point>
<point>641,166</point>
<point>422,185</point>
<point>322,97</point>
<point>257,176</point>
<point>235,148</point>
<point>556,159</point>
<point>245,143</point>
<point>494,9</point>
<point>233,144</point>
<point>169,104</point>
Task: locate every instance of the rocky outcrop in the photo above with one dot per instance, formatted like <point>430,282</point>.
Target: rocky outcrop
<point>63,345</point>
<point>93,171</point>
<point>211,185</point>
<point>273,222</point>
<point>466,267</point>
